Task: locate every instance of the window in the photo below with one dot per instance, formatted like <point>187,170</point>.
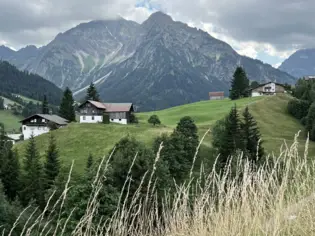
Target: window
<point>92,117</point>
<point>24,127</point>
<point>119,119</point>
<point>43,120</point>
<point>112,119</point>
<point>83,117</point>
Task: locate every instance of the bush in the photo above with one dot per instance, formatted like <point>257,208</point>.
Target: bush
<point>298,108</point>
<point>133,119</point>
<point>106,118</point>
<point>154,119</point>
<point>52,126</point>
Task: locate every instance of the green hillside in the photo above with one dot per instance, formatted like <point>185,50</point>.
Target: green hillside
<point>10,121</point>
<point>76,141</point>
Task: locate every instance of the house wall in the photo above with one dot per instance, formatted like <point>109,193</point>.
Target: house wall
<point>35,130</point>
<point>119,121</point>
<point>91,119</point>
<point>256,94</point>
<point>275,88</point>
<point>89,109</point>
<point>216,97</point>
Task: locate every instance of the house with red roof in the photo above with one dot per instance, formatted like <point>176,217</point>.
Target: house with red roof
<point>93,112</point>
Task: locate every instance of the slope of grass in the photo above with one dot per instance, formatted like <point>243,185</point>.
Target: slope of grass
<point>10,121</point>
<point>77,141</point>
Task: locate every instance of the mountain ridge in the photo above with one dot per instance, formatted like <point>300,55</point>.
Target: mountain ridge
<point>300,63</point>
<point>156,64</point>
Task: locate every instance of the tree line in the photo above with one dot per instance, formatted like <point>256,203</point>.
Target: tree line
<point>302,107</point>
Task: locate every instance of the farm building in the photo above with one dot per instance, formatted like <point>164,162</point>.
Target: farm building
<point>40,123</point>
<point>92,112</point>
<point>216,95</point>
<point>269,88</point>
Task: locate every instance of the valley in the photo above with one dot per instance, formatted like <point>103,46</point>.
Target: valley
<point>77,141</point>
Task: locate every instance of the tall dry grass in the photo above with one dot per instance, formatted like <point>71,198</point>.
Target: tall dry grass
<point>276,199</point>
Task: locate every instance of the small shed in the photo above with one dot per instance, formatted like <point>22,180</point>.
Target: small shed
<point>216,95</point>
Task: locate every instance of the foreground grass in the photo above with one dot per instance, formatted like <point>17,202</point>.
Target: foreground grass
<point>251,203</point>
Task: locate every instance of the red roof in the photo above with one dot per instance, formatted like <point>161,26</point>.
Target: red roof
<point>97,104</point>
<point>112,107</point>
<point>215,94</point>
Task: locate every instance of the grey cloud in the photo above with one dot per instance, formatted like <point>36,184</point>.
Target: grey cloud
<point>35,21</point>
<point>282,23</point>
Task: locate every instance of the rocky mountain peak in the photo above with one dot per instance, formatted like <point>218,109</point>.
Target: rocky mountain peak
<point>158,19</point>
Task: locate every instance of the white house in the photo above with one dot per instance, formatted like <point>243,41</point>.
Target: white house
<point>92,112</point>
<point>269,88</point>
<point>14,138</point>
<point>40,123</point>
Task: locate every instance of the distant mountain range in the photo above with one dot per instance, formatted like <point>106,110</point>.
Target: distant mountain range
<point>301,63</point>
<point>157,64</point>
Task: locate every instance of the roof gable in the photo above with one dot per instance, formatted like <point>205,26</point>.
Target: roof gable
<point>52,118</point>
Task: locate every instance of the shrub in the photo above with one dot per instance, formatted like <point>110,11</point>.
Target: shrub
<point>133,119</point>
<point>154,119</point>
<point>106,118</point>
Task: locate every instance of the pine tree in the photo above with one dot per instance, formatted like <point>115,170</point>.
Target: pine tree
<point>66,109</point>
<point>11,175</point>
<point>52,164</point>
<point>1,103</point>
<point>231,138</point>
<point>33,176</point>
<point>92,93</point>
<point>45,108</point>
<point>180,148</point>
<point>251,136</point>
<point>239,84</point>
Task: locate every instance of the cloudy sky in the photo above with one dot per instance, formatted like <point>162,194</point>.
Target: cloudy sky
<point>269,30</point>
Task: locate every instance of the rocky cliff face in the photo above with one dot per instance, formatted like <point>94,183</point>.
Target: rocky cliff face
<point>157,64</point>
<point>300,63</point>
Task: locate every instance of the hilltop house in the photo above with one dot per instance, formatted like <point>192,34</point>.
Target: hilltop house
<point>92,112</point>
<point>41,123</point>
<point>270,88</point>
<point>216,95</point>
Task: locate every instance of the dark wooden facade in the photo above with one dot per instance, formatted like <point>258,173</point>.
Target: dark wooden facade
<point>88,109</point>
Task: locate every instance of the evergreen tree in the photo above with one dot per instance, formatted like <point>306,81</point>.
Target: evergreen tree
<point>45,108</point>
<point>33,176</point>
<point>92,93</point>
<point>239,84</point>
<point>254,84</point>
<point>11,175</point>
<point>251,136</point>
<point>52,165</point>
<point>1,103</point>
<point>66,109</point>
<point>180,148</point>
<point>231,138</point>
<point>310,118</point>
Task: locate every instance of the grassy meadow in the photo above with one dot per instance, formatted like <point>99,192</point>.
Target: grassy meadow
<point>10,121</point>
<point>77,141</point>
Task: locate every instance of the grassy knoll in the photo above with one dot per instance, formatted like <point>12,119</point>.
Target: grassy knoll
<point>78,140</point>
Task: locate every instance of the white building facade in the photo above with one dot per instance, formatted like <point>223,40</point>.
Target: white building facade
<point>39,124</point>
<point>93,112</point>
<point>270,88</point>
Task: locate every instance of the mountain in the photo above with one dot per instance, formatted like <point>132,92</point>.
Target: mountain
<point>13,81</point>
<point>157,64</point>
<point>301,63</point>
